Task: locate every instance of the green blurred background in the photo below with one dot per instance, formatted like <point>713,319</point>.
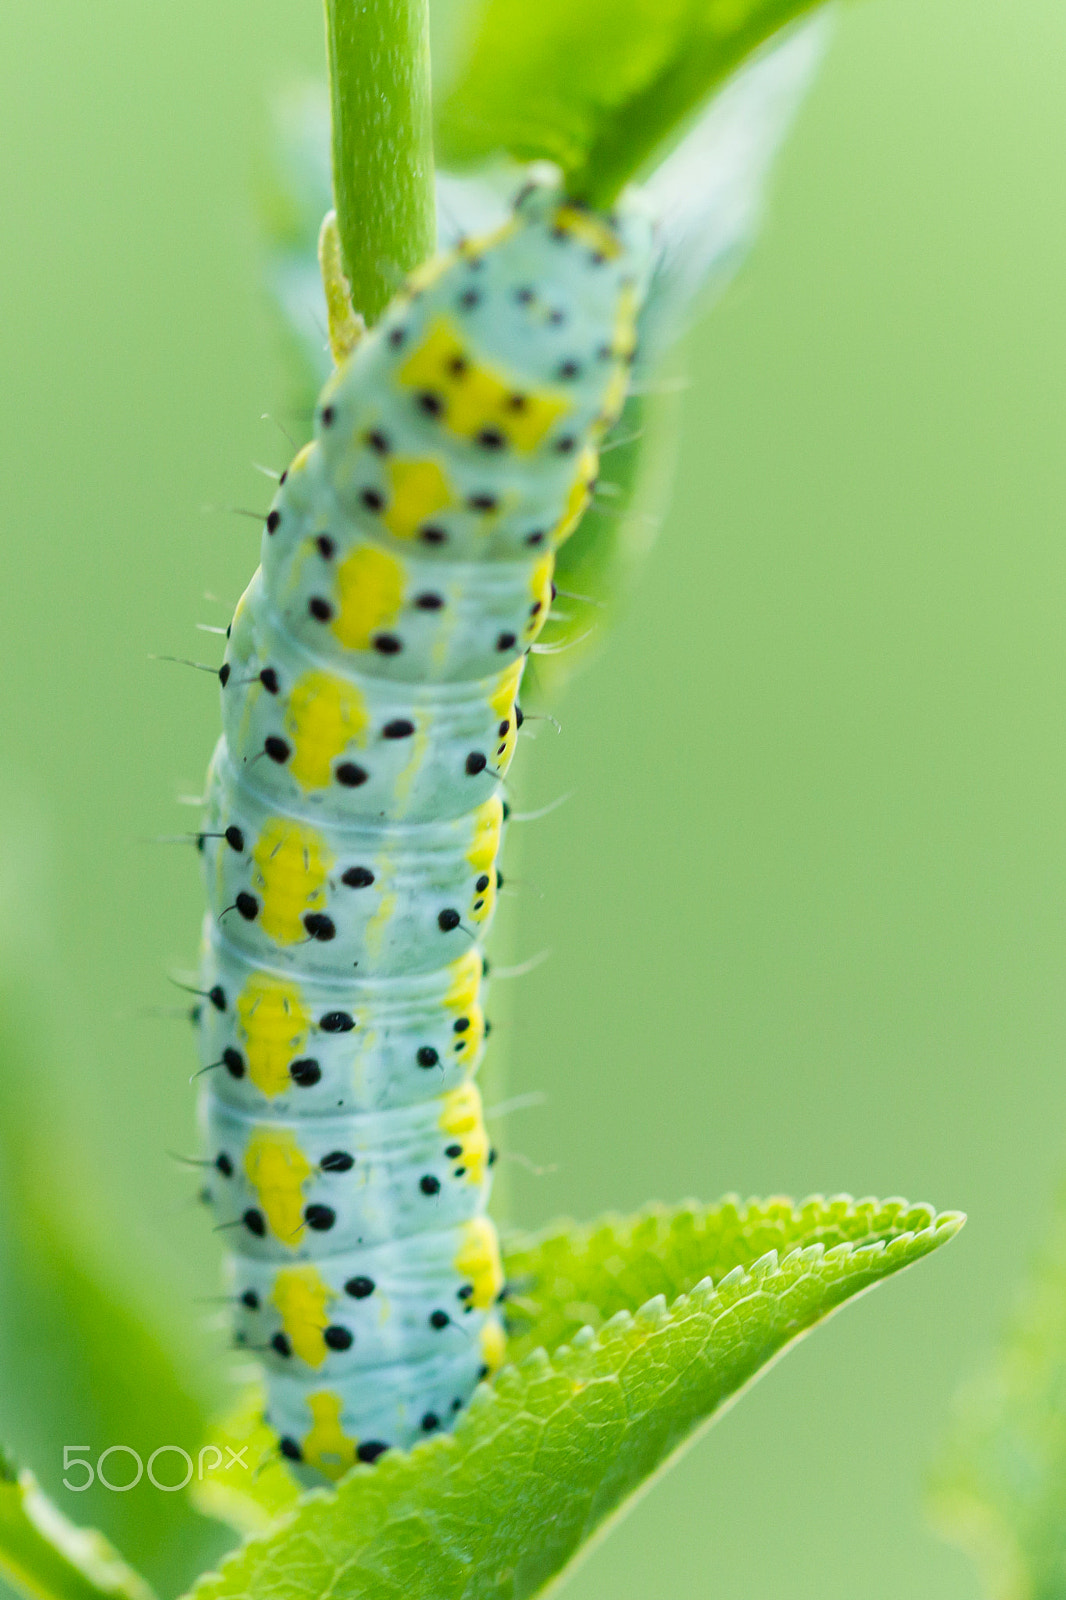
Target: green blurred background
<point>805,905</point>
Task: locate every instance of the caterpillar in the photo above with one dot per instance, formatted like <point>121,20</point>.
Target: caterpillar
<point>354,814</point>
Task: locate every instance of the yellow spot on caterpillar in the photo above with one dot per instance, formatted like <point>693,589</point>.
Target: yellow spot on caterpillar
<point>370,591</point>
<point>326,1446</point>
<point>580,494</point>
<point>293,862</point>
<point>466,981</point>
<point>461,1118</point>
<point>478,1259</point>
<point>462,1000</point>
<point>299,461</point>
<point>614,396</point>
<point>587,229</point>
<point>488,821</point>
<point>274,1026</point>
<point>493,1343</point>
<point>540,588</point>
<point>502,698</point>
<point>277,1169</point>
<point>467,1044</point>
<point>418,491</point>
<point>476,398</point>
<point>301,1297</point>
<point>324,716</point>
<point>240,608</point>
<point>375,928</point>
<point>502,704</point>
<point>418,748</point>
<point>625,329</point>
<point>425,275</point>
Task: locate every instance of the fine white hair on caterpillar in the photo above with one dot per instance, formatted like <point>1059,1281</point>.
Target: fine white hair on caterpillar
<point>354,813</point>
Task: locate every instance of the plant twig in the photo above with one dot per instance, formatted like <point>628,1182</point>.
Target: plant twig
<point>382,142</point>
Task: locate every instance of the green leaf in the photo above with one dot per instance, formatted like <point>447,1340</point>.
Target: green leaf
<point>566,1277</point>
<point>80,1362</point>
<point>545,1455</point>
<point>253,1486</point>
<point>559,81</point>
<point>46,1557</point>
<point>999,1491</point>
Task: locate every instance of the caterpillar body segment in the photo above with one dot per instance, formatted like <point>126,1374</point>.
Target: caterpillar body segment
<point>339,743</point>
<point>315,1045</point>
<point>354,818</point>
<point>366,1183</point>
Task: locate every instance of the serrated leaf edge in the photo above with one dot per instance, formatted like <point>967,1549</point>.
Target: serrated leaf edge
<point>512,1380</point>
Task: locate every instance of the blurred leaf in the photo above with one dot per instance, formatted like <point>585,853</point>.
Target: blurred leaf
<point>559,1442</point>
<point>707,197</point>
<point>252,1496</point>
<point>294,191</point>
<point>597,92</point>
<point>79,1365</point>
<point>1000,1488</point>
<point>45,1556</point>
<point>597,567</point>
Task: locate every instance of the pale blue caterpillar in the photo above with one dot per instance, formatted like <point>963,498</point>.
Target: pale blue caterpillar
<point>354,816</point>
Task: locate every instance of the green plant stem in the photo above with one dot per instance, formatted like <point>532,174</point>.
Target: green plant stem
<point>378,54</point>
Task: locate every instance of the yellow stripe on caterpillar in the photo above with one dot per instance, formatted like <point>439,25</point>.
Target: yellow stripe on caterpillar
<point>325,714</point>
<point>475,399</point>
<point>301,1298</point>
<point>370,585</point>
<point>293,863</point>
<point>478,1259</point>
<point>277,1169</point>
<point>326,1445</point>
<point>274,1026</point>
<point>461,1118</point>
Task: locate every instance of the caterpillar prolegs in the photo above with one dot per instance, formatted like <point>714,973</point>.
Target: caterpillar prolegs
<point>354,816</point>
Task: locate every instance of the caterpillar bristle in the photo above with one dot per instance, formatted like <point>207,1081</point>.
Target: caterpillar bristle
<point>267,416</point>
<point>564,644</point>
<point>519,1102</point>
<point>621,442</point>
<point>534,1168</point>
<point>518,883</point>
<point>183,661</point>
<point>175,838</point>
<point>233,511</point>
<point>545,810</point>
<point>523,968</point>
